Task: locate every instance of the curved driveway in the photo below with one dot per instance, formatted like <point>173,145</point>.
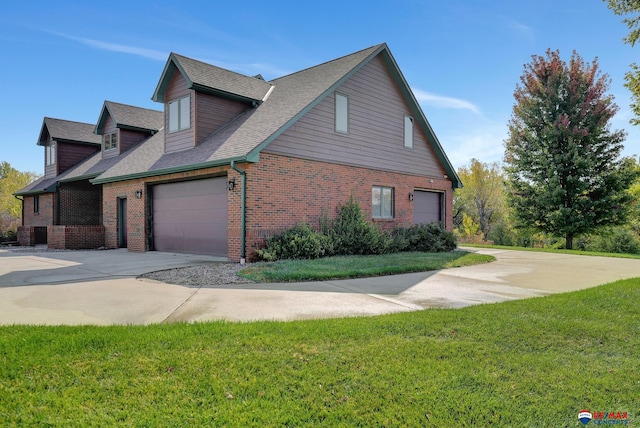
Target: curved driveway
<point>100,287</point>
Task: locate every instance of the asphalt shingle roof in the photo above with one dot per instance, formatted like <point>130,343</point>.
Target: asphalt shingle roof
<point>67,130</point>
<point>131,117</point>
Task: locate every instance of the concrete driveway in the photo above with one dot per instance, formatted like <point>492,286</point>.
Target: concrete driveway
<point>100,287</point>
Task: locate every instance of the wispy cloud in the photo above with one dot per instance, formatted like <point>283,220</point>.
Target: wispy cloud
<point>524,30</point>
<point>444,102</point>
<point>114,47</point>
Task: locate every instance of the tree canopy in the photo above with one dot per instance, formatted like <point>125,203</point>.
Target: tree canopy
<point>11,180</point>
<point>562,161</point>
<point>630,9</point>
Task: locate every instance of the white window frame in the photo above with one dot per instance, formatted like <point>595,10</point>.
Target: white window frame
<point>182,108</point>
<point>408,131</point>
<point>109,139</point>
<point>383,210</point>
<point>50,154</point>
<point>341,113</point>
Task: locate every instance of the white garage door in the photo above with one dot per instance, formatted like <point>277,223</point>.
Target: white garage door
<point>427,207</point>
<point>191,217</point>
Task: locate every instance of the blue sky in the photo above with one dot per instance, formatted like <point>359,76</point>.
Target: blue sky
<point>462,58</point>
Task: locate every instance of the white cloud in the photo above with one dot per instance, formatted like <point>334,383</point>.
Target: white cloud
<point>444,102</point>
<point>114,47</point>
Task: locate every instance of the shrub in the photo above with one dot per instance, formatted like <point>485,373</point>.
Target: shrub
<point>426,237</point>
<point>300,242</point>
<point>615,240</point>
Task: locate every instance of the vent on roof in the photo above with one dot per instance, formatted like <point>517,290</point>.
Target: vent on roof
<point>259,76</point>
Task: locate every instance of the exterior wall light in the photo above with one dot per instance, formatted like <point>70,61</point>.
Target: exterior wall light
<point>231,184</point>
<point>138,194</point>
<point>411,196</point>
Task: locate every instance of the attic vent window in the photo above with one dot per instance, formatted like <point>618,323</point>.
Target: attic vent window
<point>342,113</point>
<point>50,154</point>
<point>180,114</point>
<point>408,132</point>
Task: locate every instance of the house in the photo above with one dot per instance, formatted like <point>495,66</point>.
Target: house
<point>239,158</point>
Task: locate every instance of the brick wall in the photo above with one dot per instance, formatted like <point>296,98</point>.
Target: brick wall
<point>45,215</point>
<point>282,191</point>
<point>80,203</point>
<point>75,237</point>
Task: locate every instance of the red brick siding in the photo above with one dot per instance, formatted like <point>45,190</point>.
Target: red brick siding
<point>75,237</point>
<point>45,215</point>
<point>80,203</point>
<point>282,191</point>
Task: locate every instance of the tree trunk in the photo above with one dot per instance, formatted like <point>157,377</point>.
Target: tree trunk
<point>569,242</point>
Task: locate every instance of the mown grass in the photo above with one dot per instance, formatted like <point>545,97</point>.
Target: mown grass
<point>341,267</point>
<point>556,250</point>
<point>534,362</point>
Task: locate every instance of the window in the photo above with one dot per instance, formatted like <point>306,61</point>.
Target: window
<point>111,141</point>
<point>408,132</point>
<point>36,203</point>
<point>180,114</point>
<point>50,154</point>
<point>342,113</point>
<point>382,202</point>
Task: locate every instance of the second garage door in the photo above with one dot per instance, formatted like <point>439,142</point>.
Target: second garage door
<point>191,217</point>
<point>427,207</point>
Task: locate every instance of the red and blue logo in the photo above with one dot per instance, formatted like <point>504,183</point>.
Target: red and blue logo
<point>585,416</point>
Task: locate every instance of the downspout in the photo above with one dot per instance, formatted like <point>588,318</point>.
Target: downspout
<point>243,212</point>
<point>22,207</point>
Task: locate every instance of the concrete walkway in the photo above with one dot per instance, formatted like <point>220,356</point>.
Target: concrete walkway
<point>100,287</point>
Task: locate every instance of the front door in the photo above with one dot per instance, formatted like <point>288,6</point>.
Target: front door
<point>122,222</point>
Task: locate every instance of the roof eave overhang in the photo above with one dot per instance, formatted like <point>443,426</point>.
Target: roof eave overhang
<point>178,169</point>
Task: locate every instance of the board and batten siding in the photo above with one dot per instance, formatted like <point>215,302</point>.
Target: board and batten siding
<point>213,112</point>
<point>185,139</point>
<point>376,129</point>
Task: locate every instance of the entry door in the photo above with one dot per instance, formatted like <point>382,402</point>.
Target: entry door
<point>122,222</point>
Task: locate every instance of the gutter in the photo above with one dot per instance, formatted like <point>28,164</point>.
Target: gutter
<point>243,212</point>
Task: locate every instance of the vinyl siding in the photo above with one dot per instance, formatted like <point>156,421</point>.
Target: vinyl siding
<point>109,127</point>
<point>185,139</point>
<point>376,129</point>
<point>129,138</point>
<point>213,112</point>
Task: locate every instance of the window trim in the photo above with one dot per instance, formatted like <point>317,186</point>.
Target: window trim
<point>181,119</point>
<point>381,215</point>
<point>36,204</point>
<point>111,136</point>
<point>339,114</point>
<point>50,154</point>
<point>408,139</point>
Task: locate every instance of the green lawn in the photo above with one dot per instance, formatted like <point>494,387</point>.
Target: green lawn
<point>341,267</point>
<point>556,250</point>
<point>534,362</point>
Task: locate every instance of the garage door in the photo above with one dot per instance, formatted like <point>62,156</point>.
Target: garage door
<point>427,207</point>
<point>191,217</point>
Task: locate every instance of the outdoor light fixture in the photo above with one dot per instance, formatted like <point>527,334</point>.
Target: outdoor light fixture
<point>231,184</point>
<point>138,194</point>
<point>411,196</point>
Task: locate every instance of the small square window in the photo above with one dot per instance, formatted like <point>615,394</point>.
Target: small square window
<point>408,132</point>
<point>179,114</point>
<point>382,202</point>
<point>342,113</point>
<point>111,141</point>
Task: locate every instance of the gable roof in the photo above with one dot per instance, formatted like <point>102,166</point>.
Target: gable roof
<point>130,117</point>
<point>68,131</point>
<point>244,137</point>
<point>210,79</point>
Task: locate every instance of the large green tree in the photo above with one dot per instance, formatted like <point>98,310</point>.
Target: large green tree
<point>481,198</point>
<point>562,160</point>
<point>11,180</point>
<point>630,9</point>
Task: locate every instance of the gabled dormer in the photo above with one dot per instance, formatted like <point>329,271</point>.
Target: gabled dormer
<point>122,126</point>
<point>200,98</point>
<point>66,144</point>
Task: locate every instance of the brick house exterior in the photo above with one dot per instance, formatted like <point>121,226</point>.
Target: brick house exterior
<point>237,158</point>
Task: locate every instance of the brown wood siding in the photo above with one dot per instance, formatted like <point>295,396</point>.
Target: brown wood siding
<point>129,138</point>
<point>213,112</point>
<point>70,154</point>
<point>50,171</point>
<point>376,129</point>
<point>181,140</point>
<point>108,128</point>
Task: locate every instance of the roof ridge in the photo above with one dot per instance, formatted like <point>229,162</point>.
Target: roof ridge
<point>208,64</point>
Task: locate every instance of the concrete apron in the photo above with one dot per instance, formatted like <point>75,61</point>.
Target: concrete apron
<point>99,287</point>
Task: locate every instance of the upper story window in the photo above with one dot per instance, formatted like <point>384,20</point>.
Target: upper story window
<point>111,141</point>
<point>180,114</point>
<point>382,202</point>
<point>342,113</point>
<point>408,132</point>
<point>50,154</point>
